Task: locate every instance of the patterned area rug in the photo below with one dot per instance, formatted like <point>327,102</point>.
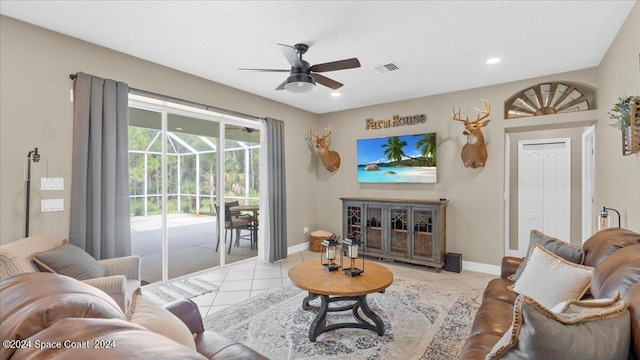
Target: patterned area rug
<point>183,289</point>
<point>422,321</point>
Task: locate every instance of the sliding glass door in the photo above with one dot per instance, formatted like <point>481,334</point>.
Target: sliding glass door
<point>242,184</point>
<point>145,190</point>
<point>174,184</point>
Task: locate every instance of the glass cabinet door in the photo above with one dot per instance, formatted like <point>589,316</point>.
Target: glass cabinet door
<point>353,221</point>
<point>423,244</point>
<point>399,231</point>
<point>373,230</point>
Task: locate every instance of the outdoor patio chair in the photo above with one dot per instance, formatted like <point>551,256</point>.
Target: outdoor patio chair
<point>252,236</point>
<point>235,222</point>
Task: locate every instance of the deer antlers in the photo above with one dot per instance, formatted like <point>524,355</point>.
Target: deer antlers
<point>486,112</point>
<point>316,138</point>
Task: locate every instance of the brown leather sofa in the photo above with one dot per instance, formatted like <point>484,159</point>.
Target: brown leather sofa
<point>51,316</point>
<point>615,255</point>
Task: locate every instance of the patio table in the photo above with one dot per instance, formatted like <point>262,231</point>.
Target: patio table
<point>253,209</point>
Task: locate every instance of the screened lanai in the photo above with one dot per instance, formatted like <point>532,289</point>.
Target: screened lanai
<point>189,179</point>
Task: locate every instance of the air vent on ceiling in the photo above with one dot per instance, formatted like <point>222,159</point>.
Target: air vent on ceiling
<point>383,69</point>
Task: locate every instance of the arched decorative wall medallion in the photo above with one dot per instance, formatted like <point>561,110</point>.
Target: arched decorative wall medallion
<point>549,98</point>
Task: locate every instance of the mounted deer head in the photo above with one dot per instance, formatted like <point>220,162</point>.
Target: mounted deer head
<point>474,152</point>
<point>330,159</point>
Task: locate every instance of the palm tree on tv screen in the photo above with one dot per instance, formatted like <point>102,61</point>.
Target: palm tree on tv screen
<point>427,145</point>
<point>393,148</point>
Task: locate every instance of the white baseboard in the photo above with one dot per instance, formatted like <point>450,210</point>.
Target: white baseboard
<point>297,248</point>
<point>480,267</point>
<point>466,265</point>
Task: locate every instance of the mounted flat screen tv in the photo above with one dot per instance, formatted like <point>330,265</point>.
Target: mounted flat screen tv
<point>397,159</point>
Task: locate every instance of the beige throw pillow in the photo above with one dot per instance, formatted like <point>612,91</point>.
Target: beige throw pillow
<point>586,306</point>
<point>155,318</point>
<point>538,333</point>
<point>550,279</point>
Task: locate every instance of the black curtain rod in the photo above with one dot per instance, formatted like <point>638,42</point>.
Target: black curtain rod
<point>205,106</point>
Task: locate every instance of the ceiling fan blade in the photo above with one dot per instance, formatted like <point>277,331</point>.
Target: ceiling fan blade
<point>281,87</point>
<point>292,56</point>
<point>327,82</point>
<point>264,70</point>
<point>336,65</point>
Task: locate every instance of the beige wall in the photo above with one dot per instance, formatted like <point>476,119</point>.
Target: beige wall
<point>475,214</point>
<point>618,185</point>
<point>36,111</point>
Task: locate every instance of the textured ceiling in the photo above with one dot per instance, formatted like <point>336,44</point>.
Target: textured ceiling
<point>440,46</point>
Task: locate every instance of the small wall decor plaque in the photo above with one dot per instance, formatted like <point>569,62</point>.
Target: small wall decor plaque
<point>395,121</point>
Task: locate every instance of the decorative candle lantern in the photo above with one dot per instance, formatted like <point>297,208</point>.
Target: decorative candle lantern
<point>351,249</point>
<point>329,253</point>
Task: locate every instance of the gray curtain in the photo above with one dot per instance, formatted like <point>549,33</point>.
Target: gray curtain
<point>100,171</point>
<point>277,190</point>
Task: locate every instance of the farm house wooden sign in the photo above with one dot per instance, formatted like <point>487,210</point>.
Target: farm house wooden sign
<point>395,121</point>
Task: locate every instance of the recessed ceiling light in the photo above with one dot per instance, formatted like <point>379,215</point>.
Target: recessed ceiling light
<point>494,60</point>
<point>335,94</point>
<point>178,128</point>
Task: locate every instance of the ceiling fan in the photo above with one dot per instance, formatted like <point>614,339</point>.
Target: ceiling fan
<point>302,76</point>
<point>248,130</point>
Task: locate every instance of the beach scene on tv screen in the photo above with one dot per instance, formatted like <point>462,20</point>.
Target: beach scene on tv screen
<point>397,159</point>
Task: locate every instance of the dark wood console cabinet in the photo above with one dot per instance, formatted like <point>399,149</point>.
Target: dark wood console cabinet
<point>412,231</point>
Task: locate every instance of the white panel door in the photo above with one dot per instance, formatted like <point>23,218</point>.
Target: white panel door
<point>544,190</point>
<point>530,186</point>
<point>588,174</point>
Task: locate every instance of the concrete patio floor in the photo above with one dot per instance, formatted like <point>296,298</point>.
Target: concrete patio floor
<point>192,245</point>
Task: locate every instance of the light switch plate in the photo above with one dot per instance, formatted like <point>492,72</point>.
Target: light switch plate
<point>50,205</point>
<point>52,184</point>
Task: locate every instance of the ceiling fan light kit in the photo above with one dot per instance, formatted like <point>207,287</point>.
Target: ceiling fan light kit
<point>300,83</point>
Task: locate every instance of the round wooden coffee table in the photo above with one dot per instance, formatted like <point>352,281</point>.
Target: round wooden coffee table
<point>332,286</point>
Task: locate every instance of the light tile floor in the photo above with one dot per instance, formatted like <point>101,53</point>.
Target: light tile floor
<point>249,278</point>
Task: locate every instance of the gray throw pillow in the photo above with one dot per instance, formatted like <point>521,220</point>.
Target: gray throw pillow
<point>71,261</point>
<point>538,333</point>
<point>565,250</point>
